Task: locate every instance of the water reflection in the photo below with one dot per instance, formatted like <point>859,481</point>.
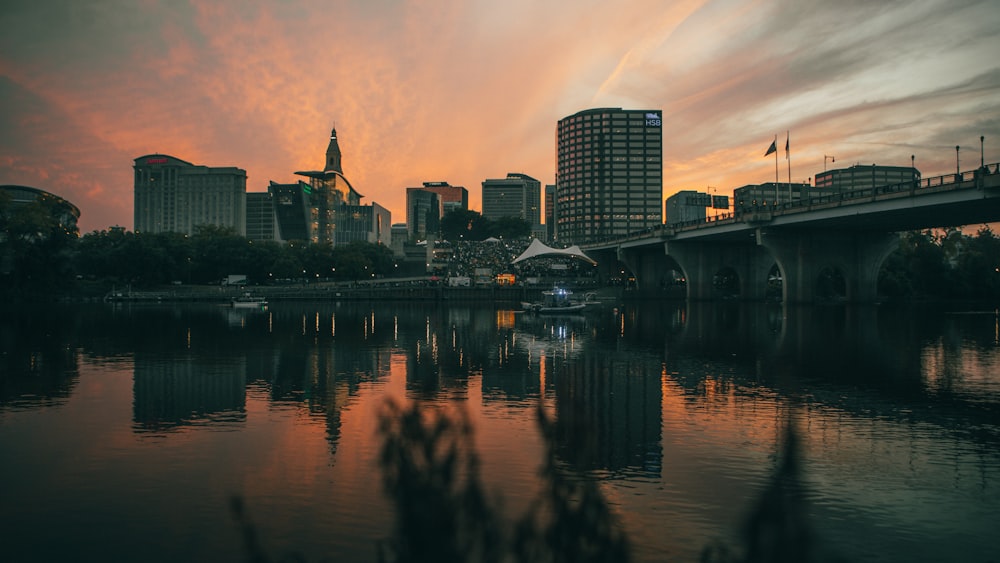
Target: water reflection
<point>676,409</point>
<point>38,366</point>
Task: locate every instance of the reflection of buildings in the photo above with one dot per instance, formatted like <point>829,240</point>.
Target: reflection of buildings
<point>608,412</point>
<point>172,195</point>
<point>38,356</point>
<point>323,361</point>
<point>173,391</point>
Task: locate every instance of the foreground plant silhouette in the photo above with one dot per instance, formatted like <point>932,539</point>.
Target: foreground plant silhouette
<point>431,472</point>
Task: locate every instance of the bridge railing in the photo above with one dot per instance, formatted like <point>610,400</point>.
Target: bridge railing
<point>946,182</point>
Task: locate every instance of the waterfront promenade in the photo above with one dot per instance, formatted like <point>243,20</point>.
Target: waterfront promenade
<point>395,289</point>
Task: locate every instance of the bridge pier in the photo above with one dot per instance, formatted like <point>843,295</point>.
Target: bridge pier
<point>702,261</point>
<point>650,267</point>
<point>851,233</point>
<point>802,256</point>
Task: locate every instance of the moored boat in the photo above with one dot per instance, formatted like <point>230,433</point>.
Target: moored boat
<point>556,300</point>
<point>248,301</point>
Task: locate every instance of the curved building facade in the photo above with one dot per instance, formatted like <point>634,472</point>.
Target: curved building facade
<point>24,195</point>
<point>609,174</point>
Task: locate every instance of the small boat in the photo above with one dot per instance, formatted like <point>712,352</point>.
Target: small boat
<point>248,301</point>
<point>556,300</point>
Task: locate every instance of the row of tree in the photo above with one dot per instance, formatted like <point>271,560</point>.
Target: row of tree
<point>41,253</point>
<point>946,264</point>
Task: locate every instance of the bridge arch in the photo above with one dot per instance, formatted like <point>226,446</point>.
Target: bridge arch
<point>830,285</point>
<point>726,283</point>
<point>847,263</point>
<point>856,230</point>
<point>744,265</point>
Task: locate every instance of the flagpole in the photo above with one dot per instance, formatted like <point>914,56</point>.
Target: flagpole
<point>776,169</point>
<point>788,157</point>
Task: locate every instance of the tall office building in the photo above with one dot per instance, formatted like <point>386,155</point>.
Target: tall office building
<point>293,212</point>
<point>328,191</point>
<point>260,216</point>
<point>327,209</point>
<point>364,223</point>
<point>172,195</point>
<point>550,212</point>
<point>453,198</point>
<point>609,174</point>
<point>424,210</point>
<point>517,195</point>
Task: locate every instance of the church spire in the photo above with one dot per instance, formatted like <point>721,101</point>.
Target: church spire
<point>333,154</point>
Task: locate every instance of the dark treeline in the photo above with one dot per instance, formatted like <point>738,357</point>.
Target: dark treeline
<point>42,254</point>
<point>943,265</point>
<point>212,253</point>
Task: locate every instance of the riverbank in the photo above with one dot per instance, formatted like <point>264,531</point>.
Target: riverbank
<point>388,290</point>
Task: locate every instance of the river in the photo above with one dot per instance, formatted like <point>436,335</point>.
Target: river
<point>127,431</point>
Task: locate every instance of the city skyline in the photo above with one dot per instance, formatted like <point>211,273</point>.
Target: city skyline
<point>423,93</point>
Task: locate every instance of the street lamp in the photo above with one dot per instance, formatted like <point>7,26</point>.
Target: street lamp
<point>958,170</point>
<point>825,157</point>
<point>982,155</point>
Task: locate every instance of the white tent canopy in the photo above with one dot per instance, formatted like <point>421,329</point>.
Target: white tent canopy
<point>537,248</point>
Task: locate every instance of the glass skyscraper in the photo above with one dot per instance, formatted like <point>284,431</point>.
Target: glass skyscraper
<point>609,174</point>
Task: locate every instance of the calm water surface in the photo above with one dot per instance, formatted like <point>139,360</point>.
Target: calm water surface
<point>125,430</point>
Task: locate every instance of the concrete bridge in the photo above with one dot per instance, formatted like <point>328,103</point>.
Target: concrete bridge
<point>801,246</point>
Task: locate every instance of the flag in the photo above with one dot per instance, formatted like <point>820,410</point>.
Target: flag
<point>786,146</point>
<point>772,148</point>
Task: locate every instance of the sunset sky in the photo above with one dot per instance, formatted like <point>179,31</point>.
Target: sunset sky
<point>461,91</point>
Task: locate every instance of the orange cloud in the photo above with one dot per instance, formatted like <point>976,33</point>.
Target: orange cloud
<point>462,91</point>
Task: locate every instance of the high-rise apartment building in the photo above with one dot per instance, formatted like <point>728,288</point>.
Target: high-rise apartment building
<point>609,174</point>
<point>517,195</point>
<point>550,212</point>
<point>172,195</point>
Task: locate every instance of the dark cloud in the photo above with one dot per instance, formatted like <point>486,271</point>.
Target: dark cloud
<point>462,91</point>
